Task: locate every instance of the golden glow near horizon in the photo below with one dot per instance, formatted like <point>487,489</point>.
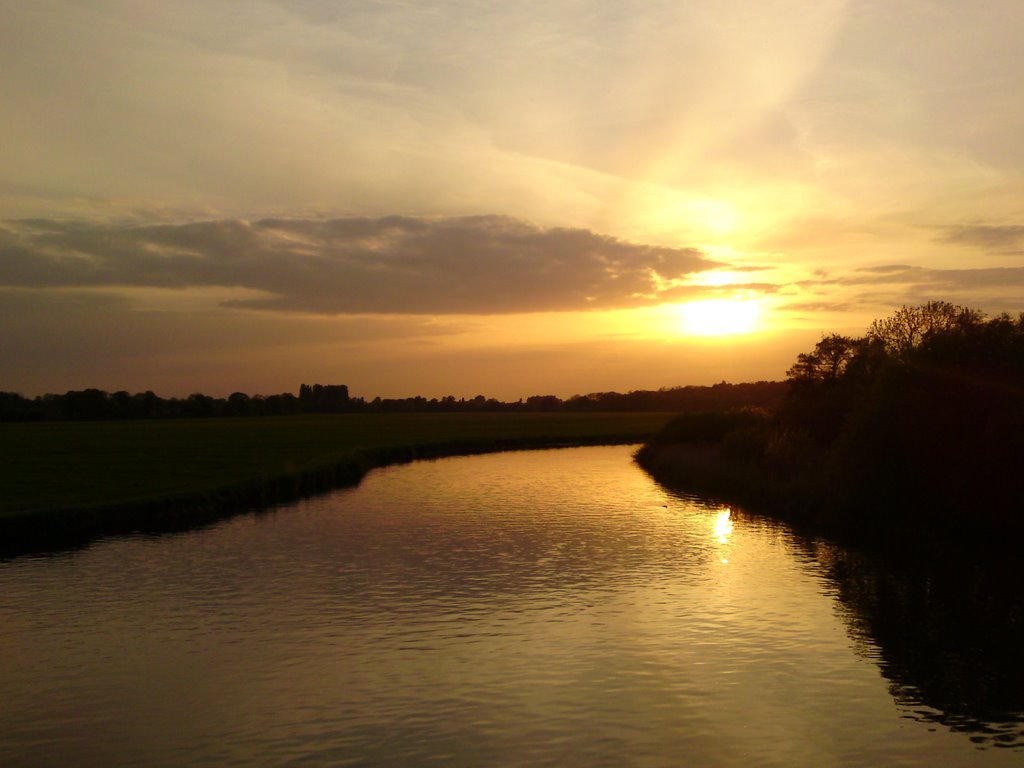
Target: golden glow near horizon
<point>720,317</point>
<point>805,181</point>
<point>718,278</point>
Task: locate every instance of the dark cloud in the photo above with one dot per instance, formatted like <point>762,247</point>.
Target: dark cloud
<point>1000,239</point>
<point>485,264</point>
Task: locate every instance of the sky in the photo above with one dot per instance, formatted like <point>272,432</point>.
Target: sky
<point>465,197</point>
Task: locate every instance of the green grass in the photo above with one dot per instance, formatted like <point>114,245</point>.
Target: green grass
<point>62,466</point>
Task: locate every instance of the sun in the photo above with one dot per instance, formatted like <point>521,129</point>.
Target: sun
<point>719,317</point>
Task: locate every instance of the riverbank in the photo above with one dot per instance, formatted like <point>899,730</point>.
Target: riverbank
<point>68,482</point>
<point>818,500</point>
<point>706,469</point>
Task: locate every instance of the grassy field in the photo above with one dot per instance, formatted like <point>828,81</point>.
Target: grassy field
<point>70,466</point>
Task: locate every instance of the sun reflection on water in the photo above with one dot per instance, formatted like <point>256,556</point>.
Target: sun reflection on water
<point>723,529</point>
<point>723,526</point>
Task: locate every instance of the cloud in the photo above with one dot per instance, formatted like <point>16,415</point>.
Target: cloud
<point>939,279</point>
<point>74,323</point>
<point>992,289</point>
<point>1008,239</point>
<point>818,306</point>
<point>462,107</point>
<point>53,340</point>
<point>887,269</point>
<point>390,265</point>
<point>906,274</point>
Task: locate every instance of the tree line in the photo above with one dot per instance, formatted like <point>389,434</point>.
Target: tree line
<point>96,404</point>
<point>918,424</point>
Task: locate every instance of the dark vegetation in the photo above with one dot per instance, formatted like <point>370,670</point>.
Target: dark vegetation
<point>95,404</point>
<point>915,430</point>
<point>906,443</point>
<point>88,462</point>
<point>945,632</point>
<point>66,482</point>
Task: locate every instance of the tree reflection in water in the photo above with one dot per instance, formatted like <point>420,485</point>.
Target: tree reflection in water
<point>947,634</point>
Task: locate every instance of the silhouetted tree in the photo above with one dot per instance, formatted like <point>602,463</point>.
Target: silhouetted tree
<point>14,407</point>
<point>238,404</point>
<point>543,403</point>
<point>908,327</point>
<point>918,426</point>
<point>148,405</point>
<point>85,404</point>
<point>321,398</point>
<point>826,363</point>
<point>201,405</point>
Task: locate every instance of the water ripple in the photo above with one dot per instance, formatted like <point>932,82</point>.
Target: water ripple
<point>539,608</point>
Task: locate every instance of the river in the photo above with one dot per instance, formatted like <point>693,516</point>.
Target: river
<point>517,609</point>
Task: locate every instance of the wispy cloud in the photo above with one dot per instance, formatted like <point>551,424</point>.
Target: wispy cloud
<point>951,280</point>
<point>905,274</point>
<point>888,269</point>
<point>393,265</point>
<point>994,289</point>
<point>1006,239</point>
<point>818,306</point>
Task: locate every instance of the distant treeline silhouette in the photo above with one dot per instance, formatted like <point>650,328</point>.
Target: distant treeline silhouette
<point>96,404</point>
<point>917,425</point>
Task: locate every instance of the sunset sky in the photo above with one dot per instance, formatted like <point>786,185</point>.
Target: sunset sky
<point>465,197</point>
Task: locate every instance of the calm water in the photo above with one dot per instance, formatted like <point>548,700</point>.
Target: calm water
<point>536,608</point>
